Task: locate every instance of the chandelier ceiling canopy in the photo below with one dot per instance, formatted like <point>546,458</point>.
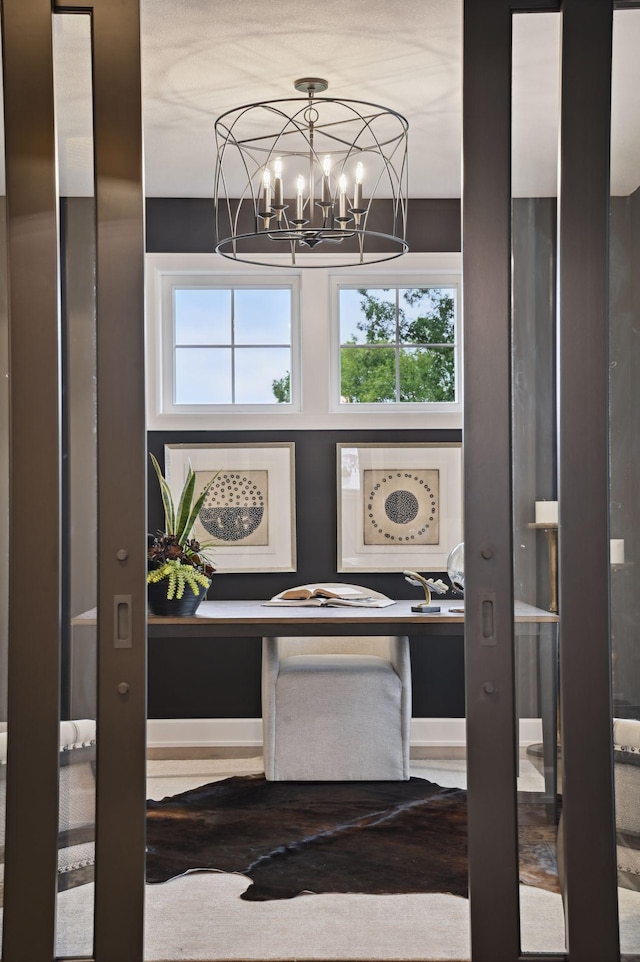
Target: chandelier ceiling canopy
<point>292,175</point>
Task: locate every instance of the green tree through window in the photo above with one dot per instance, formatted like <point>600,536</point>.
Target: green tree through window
<point>282,389</point>
<point>402,348</point>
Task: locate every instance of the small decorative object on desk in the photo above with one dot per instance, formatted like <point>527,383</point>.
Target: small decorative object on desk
<point>330,595</point>
<point>429,585</point>
<point>180,570</point>
<point>455,568</point>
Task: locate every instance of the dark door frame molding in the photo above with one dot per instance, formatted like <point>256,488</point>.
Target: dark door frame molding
<point>585,662</point>
<point>35,629</point>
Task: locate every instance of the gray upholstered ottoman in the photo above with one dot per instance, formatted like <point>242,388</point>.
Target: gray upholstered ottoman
<point>336,708</point>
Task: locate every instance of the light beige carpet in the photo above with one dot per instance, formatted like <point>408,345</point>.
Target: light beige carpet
<point>201,917</point>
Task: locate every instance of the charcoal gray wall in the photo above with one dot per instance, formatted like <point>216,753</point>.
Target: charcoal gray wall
<point>187,225</point>
<point>222,678</point>
<point>534,413</point>
<point>624,364</point>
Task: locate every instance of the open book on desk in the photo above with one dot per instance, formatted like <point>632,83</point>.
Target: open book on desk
<point>330,595</point>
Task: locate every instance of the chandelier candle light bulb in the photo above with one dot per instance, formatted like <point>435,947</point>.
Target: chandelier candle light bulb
<point>266,184</point>
<point>357,193</point>
<point>277,169</point>
<point>300,199</point>
<point>326,184</point>
<point>342,206</point>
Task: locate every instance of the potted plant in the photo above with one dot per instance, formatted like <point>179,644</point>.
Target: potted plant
<point>180,570</point>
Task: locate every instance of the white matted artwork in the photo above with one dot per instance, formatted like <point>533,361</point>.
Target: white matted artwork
<point>399,506</point>
<point>249,511</point>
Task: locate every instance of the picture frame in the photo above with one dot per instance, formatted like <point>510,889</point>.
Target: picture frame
<point>249,512</point>
<point>399,505</point>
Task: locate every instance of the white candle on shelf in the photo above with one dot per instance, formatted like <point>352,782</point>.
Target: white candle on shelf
<point>616,551</point>
<point>546,512</point>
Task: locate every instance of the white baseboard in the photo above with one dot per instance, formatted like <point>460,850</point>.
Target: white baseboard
<point>451,732</point>
<point>204,732</point>
<point>247,732</point>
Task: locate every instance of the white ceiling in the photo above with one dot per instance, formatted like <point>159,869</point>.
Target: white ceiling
<point>202,57</point>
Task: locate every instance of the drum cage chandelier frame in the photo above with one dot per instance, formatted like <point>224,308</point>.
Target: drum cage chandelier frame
<point>294,174</point>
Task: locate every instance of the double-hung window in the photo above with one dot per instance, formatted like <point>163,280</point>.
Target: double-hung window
<point>398,344</point>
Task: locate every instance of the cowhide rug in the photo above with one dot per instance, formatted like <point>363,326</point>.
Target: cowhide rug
<point>294,837</point>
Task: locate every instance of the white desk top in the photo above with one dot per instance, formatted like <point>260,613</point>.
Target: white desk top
<point>215,615</point>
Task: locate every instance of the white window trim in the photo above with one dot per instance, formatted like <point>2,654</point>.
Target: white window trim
<point>315,348</point>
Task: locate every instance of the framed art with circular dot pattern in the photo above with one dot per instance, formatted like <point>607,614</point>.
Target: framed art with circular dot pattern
<point>249,511</point>
<point>399,506</point>
<point>236,509</point>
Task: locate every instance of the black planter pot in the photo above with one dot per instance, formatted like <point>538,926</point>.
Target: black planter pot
<point>159,604</point>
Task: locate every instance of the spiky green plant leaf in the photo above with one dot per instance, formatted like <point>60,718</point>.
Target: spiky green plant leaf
<point>195,511</point>
<point>184,506</point>
<point>177,544</point>
<point>167,500</point>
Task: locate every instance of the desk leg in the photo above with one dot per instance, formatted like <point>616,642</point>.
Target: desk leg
<point>548,675</point>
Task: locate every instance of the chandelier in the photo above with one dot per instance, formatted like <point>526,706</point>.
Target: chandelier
<point>292,175</point>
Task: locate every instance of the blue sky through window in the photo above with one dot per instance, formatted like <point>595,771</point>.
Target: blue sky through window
<point>203,375</point>
<point>202,316</point>
<point>263,317</point>
<point>212,327</point>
